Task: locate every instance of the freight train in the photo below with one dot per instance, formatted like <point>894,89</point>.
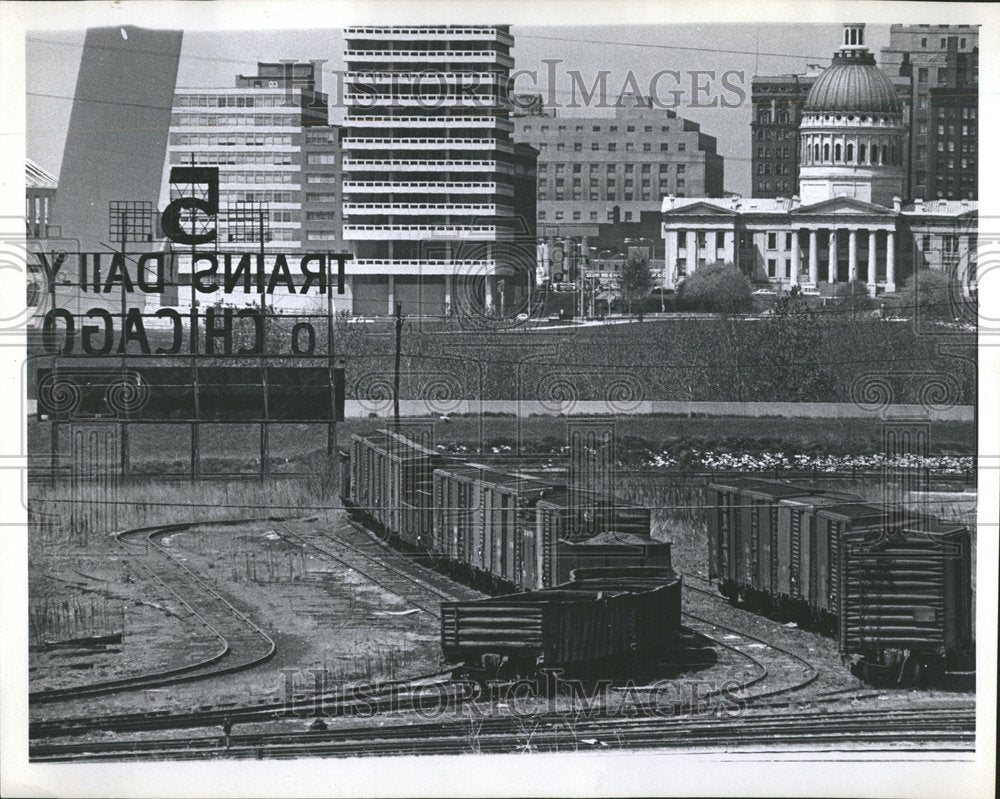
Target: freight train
<point>894,586</point>
<point>576,561</point>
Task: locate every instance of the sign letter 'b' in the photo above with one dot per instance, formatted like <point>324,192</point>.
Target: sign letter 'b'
<point>170,221</point>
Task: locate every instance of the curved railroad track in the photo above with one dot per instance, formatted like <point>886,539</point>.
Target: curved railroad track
<point>242,644</point>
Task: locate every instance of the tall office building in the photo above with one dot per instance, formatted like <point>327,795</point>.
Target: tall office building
<point>279,173</point>
<point>594,170</point>
<point>777,102</point>
<point>940,66</point>
<point>429,165</point>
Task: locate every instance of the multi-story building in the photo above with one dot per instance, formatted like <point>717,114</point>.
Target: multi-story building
<point>940,65</point>
<point>848,221</point>
<point>431,170</point>
<point>952,171</point>
<point>39,199</point>
<point>279,176</point>
<point>601,169</point>
<point>777,107</point>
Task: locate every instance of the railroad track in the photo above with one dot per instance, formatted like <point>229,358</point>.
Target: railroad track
<point>363,699</point>
<point>371,560</point>
<point>946,728</point>
<point>241,644</point>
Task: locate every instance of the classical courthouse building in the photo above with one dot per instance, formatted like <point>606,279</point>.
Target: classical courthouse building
<point>847,221</point>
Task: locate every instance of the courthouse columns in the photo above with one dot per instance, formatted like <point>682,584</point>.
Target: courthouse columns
<point>890,260</point>
<point>794,281</point>
<point>852,255</point>
<point>691,245</point>
<point>872,266</point>
<point>831,265</point>
<point>671,255</point>
<point>813,257</point>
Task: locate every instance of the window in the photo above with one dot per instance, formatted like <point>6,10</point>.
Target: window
<point>628,216</point>
<point>682,147</point>
<point>320,216</point>
<point>629,146</point>
<point>562,128</point>
<point>541,214</point>
<point>577,147</point>
<point>597,128</point>
<point>545,128</point>
<point>942,75</point>
<point>612,147</point>
<point>944,43</point>
<point>922,75</point>
<point>772,267</point>
<point>772,241</point>
<point>576,216</point>
<point>680,169</point>
<point>561,146</point>
<point>579,128</point>
<point>647,147</point>
<point>611,168</point>
<point>680,183</point>
<point>577,167</point>
<point>850,152</point>
<point>613,128</point>
<point>630,129</point>
<point>629,168</point>
<point>665,129</point>
<point>836,152</point>
<point>923,42</point>
<point>862,153</point>
<point>595,146</point>
<point>664,147</point>
<point>559,215</point>
<point>649,128</point>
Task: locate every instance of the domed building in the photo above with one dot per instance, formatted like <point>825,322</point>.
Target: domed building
<point>848,221</point>
<point>851,134</point>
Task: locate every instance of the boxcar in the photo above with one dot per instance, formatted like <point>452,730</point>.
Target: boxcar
<point>602,618</point>
<point>906,610</point>
<point>806,558</point>
<point>751,548</point>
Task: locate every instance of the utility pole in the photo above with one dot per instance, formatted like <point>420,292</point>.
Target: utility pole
<point>395,376</point>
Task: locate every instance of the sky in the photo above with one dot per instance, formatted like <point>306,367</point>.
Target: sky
<point>213,58</point>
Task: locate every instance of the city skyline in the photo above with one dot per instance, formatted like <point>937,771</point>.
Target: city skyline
<point>213,58</point>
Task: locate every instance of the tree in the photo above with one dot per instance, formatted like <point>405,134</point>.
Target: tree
<point>717,287</point>
<point>852,297</point>
<point>930,294</point>
<point>637,280</point>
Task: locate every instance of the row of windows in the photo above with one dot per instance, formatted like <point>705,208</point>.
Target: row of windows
<point>277,158</point>
<point>779,169</point>
<point>611,183</point>
<point>244,176</point>
<point>767,134</point>
<point>885,154</point>
<point>943,43</point>
<point>764,117</point>
<point>233,100</point>
<point>321,137</point>
<point>611,193</point>
<point>266,196</point>
<point>611,168</point>
<point>779,152</point>
<point>230,140</point>
<point>321,158</point>
<point>612,147</point>
<point>321,216</point>
<point>321,197</point>
<point>577,216</point>
<point>600,128</point>
<point>236,120</point>
<point>766,187</point>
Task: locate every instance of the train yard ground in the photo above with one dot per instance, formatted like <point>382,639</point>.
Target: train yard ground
<point>332,598</point>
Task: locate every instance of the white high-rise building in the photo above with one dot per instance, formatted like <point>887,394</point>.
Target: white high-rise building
<point>431,175</point>
<point>277,158</point>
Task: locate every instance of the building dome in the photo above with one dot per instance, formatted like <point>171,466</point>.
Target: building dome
<point>851,131</point>
<point>853,84</point>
